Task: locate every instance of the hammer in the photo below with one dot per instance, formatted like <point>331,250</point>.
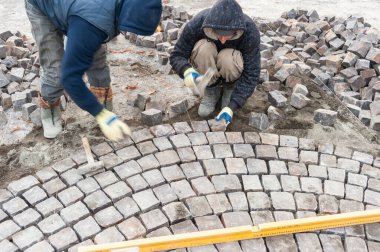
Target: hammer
<point>202,82</point>
<point>91,164</point>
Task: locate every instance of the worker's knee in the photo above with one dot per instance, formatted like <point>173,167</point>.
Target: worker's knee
<point>203,51</point>
<point>230,64</point>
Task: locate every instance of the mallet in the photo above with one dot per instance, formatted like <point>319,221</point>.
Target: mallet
<point>91,164</point>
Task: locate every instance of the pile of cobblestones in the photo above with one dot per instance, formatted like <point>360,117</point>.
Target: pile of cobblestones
<point>19,81</point>
<point>172,179</point>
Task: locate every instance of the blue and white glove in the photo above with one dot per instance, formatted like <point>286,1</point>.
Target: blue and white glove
<point>190,76</point>
<point>225,114</point>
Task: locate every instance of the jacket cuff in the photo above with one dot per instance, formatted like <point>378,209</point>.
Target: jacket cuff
<point>233,105</point>
<point>183,70</point>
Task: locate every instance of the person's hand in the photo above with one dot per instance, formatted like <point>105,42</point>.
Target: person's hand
<point>112,127</point>
<point>189,77</point>
<point>225,114</point>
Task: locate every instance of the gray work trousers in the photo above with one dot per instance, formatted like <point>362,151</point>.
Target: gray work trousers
<point>50,42</point>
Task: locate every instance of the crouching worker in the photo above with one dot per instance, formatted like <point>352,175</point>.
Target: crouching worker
<point>87,25</point>
<point>227,40</point>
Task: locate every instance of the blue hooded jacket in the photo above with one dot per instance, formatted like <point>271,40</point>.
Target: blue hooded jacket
<point>88,24</point>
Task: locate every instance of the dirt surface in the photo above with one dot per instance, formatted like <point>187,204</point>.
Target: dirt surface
<point>139,67</point>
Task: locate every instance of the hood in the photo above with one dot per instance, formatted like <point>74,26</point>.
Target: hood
<point>224,15</point>
<point>139,16</point>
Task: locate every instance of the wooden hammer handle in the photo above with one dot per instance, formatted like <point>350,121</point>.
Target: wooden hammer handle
<point>87,149</point>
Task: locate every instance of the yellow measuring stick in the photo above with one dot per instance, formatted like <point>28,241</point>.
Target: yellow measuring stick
<point>238,233</point>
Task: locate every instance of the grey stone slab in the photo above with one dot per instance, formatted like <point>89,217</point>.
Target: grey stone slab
<point>372,197</point>
<point>165,194</point>
<point>281,243</point>
<point>317,171</point>
<point>146,200</point>
<point>235,166</point>
<point>101,149</point>
<point>370,171</point>
<point>63,239</point>
<point>234,137</point>
<point>354,192</point>
<point>259,217</point>
<point>182,189</point>
<point>153,177</point>
<point>198,206</point>
<point>258,201</point>
<point>290,183</point>
<point>109,235</point>
<point>357,179</point>
<point>128,153</point>
<point>222,151</point>
<point>266,152</point>
<point>251,183</point>
<point>334,188</point>
<point>252,138</point>
<point>228,246</point>
<point>331,243</point>
<point>362,157</point>
<point>328,160</point>
<point>49,206</point>
<point>3,216</point>
<point>308,242</point>
<point>236,219</point>
<point>182,127</point>
<point>200,126</point>
<point>192,170</point>
<point>88,185</point>
<point>17,187</point>
<point>203,152</point>
<point>74,213</point>
<point>327,148</point>
<point>97,200</point>
<point>283,201</point>
<point>372,231</point>
<point>168,157</point>
<point>348,165</point>
<point>8,246</point>
<point>219,203</point>
<point>146,148</point>
<point>63,165</point>
<point>197,138</point>
<point>205,248</point>
<point>118,191</point>
<point>70,195</point>
<point>162,130</point>
<point>141,135</point>
<point>127,141</point>
<point>8,228</point>
<point>328,204</point>
<point>153,220</point>
<point>297,169</point>
<point>172,173</point>
<point>71,177</point>
<point>186,226</point>
<point>342,151</point>
<point>283,215</point>
<point>5,195</point>
<point>288,154</point>
<point>27,237</point>
<point>374,184</point>
<point>27,218</point>
<point>309,157</point>
<point>226,183</point>
<point>270,183</point>
<point>127,207</point>
<point>105,179</point>
<point>373,246</point>
<point>347,206</point>
<point>208,222</point>
<point>311,185</point>
<point>277,167</point>
<point>128,169</point>
<point>337,174</point>
<point>51,224</point>
<point>306,144</point>
<point>356,244</point>
<point>41,246</point>
<point>306,202</point>
<point>54,186</point>
<point>164,231</point>
<point>137,183</point>
<point>258,244</point>
<point>202,186</point>
<point>81,244</point>
<point>288,141</point>
<point>243,151</point>
<point>216,138</point>
<point>108,217</point>
<point>34,195</point>
<point>132,228</point>
<point>186,154</point>
<point>111,160</point>
<point>256,166</point>
<point>180,141</point>
<point>269,139</point>
<point>162,143</point>
<point>213,167</point>
<point>14,206</point>
<point>176,212</point>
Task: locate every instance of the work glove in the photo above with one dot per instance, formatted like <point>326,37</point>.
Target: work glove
<point>225,114</point>
<point>112,127</point>
<point>190,76</point>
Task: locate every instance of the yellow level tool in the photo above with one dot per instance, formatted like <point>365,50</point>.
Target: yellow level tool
<point>238,233</point>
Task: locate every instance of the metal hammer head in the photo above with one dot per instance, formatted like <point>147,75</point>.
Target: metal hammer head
<point>90,167</point>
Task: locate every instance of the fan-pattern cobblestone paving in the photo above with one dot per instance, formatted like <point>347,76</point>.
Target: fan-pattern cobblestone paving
<point>172,179</point>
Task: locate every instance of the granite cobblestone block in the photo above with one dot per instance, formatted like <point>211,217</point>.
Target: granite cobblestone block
<point>87,228</point>
<point>222,151</point>
<point>176,212</point>
<point>270,183</point>
<point>117,191</point>
<point>128,169</point>
<point>153,177</point>
<point>53,186</point>
<point>243,151</point>
<point>51,224</point>
<point>108,217</point>
<point>256,166</point>
<point>27,237</point>
<point>49,206</point>
<point>146,148</point>
<point>213,167</point>
<point>34,195</point>
<point>180,141</point>
<point>182,189</point>
<point>328,204</point>
<point>297,169</point>
<point>172,173</point>
<point>258,201</point>
<point>226,183</point>
<point>127,207</point>
<point>348,165</point>
<point>311,185</point>
<point>203,152</point>
<point>288,154</point>
<point>290,183</point>
<point>168,157</point>
<point>137,183</point>
<point>15,206</point>
<point>354,192</point>
<point>162,143</point>
<point>266,152</point>
<point>97,200</point>
<point>63,239</point>
<point>202,186</point>
<point>238,201</point>
<point>146,200</point>
<point>6,245</point>
<point>198,206</point>
<point>128,153</point>
<point>154,219</point>
<point>219,203</point>
<point>235,166</point>
<point>27,218</point>
<point>17,187</point>
<point>337,174</point>
<point>88,185</point>
<point>186,154</point>
<point>70,195</point>
<point>251,183</point>
<point>208,222</point>
<point>197,138</point>
<point>259,217</point>
<point>109,235</point>
<point>71,177</point>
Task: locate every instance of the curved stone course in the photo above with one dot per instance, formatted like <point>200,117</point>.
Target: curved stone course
<point>172,179</point>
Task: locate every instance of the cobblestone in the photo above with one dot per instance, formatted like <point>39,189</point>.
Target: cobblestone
<point>202,186</point>
<point>362,157</point>
<point>153,177</point>
<point>234,137</point>
<point>306,202</point>
<point>200,126</point>
<point>317,171</point>
<point>283,201</point>
<point>128,153</point>
<point>128,169</point>
<point>334,188</point>
<point>269,139</point>
<point>88,185</point>
<point>331,242</point>
<point>19,186</point>
<point>182,189</point>
<point>309,157</point>
<point>63,165</point>
<point>311,185</point>
<point>6,245</point>
<point>146,148</point>
<point>176,212</point>
<point>137,183</point>
<point>7,229</point>
<point>127,207</point>
<point>306,144</point>
<point>109,235</point>
<point>27,237</point>
<point>308,242</point>
<point>153,220</point>
<point>87,228</point>
<point>357,179</point>
<point>51,224</point>
<point>259,217</point>
<point>108,217</point>
<point>71,177</point>
<point>208,222</point>
<point>354,192</point>
<point>41,246</point>
<point>226,183</point>
<point>101,149</point>
<point>117,191</point>
<point>27,218</point>
<point>348,165</point>
<point>146,200</point>
<point>180,141</point>
<point>256,166</point>
<point>337,174</point>
<point>198,206</point>
<point>342,151</point>
<point>74,213</point>
<point>290,183</point>
<point>162,130</point>
<point>251,183</point>
<point>258,244</point>
<point>288,154</point>
<point>197,138</point>
<point>168,157</point>
<point>219,203</point>
<point>172,173</point>
<point>63,239</point>
<point>266,152</point>
<point>49,206</point>
<point>283,243</point>
<point>5,195</point>
<point>203,152</point>
<point>181,127</point>
<point>53,186</point>
<point>162,143</point>
<point>70,195</point>
<point>243,151</point>
<point>356,244</point>
<point>97,200</point>
<point>258,201</point>
<point>235,166</point>
<point>328,204</point>
<point>374,184</point>
<point>14,206</point>
<point>34,195</point>
<point>282,215</point>
<point>186,154</point>
<point>271,183</point>
<point>277,167</point>
<point>327,160</point>
<point>222,151</point>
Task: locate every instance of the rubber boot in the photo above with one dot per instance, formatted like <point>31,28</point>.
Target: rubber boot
<point>104,95</point>
<point>228,88</point>
<point>51,118</point>
<point>209,101</point>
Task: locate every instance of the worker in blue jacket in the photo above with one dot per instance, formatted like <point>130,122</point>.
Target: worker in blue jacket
<point>227,40</point>
<point>88,24</point>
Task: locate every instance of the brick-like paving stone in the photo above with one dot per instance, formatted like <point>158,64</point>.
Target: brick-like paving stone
<point>182,178</point>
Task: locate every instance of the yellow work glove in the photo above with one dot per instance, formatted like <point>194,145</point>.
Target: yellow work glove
<point>190,76</point>
<point>112,127</point>
<point>225,114</point>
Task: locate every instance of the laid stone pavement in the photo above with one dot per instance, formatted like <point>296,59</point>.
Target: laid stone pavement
<point>172,179</point>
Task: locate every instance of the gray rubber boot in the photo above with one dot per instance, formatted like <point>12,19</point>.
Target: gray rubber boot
<point>209,101</point>
<point>51,121</point>
<point>227,93</point>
